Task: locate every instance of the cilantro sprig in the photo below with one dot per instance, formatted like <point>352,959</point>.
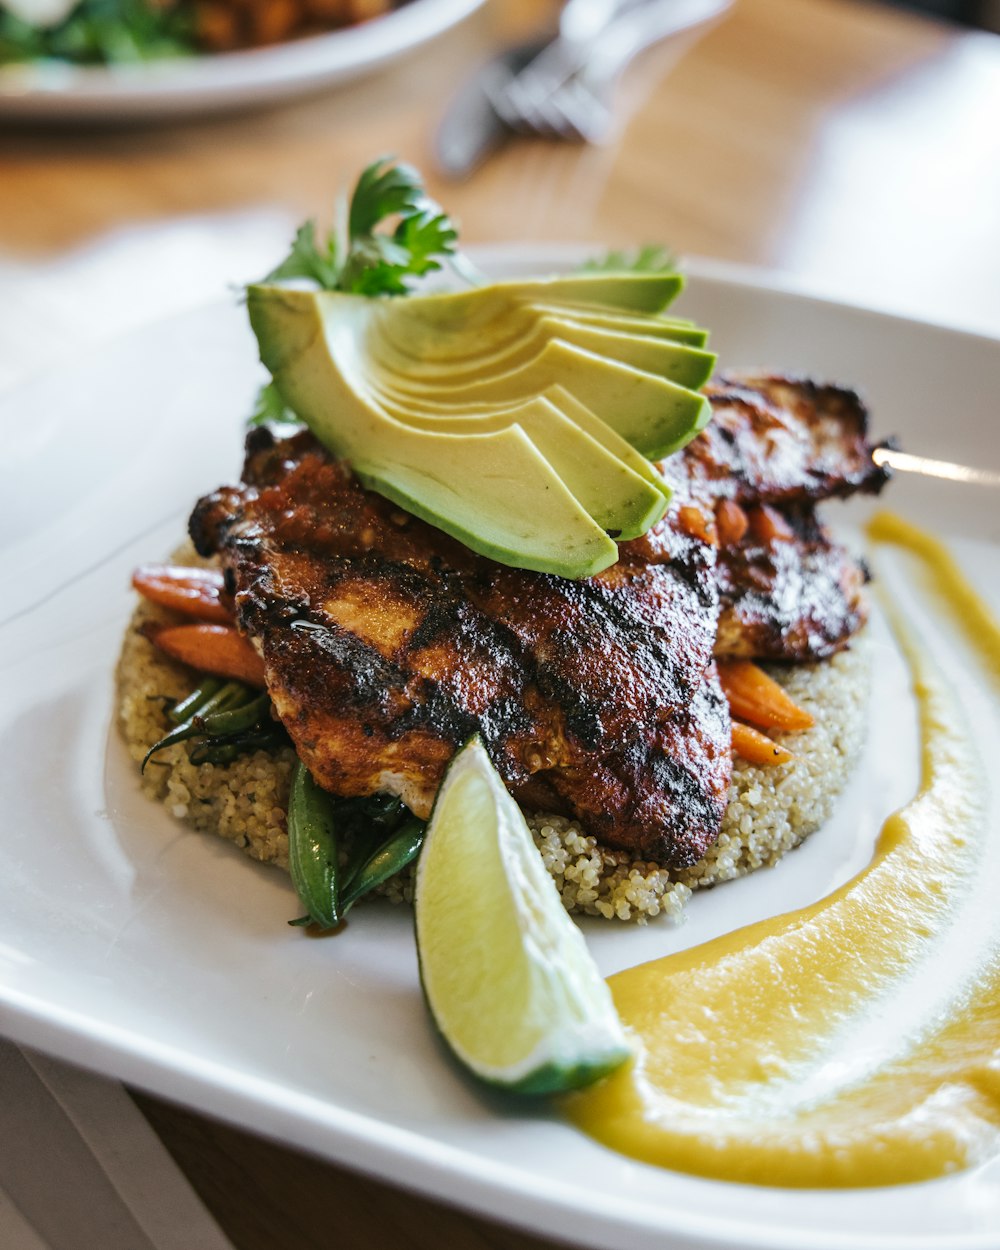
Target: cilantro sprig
<point>394,232</point>
<point>650,258</point>
<point>309,259</point>
<point>391,232</point>
<point>270,409</point>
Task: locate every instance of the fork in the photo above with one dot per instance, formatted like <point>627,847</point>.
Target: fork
<point>567,91</point>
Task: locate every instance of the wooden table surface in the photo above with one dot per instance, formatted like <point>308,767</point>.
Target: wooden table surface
<point>851,146</point>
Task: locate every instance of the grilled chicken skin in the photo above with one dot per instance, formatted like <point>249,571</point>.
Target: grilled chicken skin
<point>386,645</point>
<point>774,448</point>
<point>792,594</point>
<point>780,440</point>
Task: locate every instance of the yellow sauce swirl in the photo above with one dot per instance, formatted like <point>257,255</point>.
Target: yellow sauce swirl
<point>757,1056</point>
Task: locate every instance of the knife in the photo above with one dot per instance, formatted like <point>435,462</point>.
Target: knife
<point>471,128</point>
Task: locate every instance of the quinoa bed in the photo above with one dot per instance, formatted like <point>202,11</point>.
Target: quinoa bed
<point>771,810</point>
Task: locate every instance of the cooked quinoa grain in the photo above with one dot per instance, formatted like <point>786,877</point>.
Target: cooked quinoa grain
<point>244,801</point>
<point>770,809</point>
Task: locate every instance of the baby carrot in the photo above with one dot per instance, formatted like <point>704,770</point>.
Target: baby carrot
<point>192,591</point>
<point>755,697</point>
<point>757,748</point>
<point>217,649</point>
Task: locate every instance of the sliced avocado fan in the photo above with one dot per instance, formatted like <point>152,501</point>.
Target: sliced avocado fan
<point>520,418</point>
<point>659,354</point>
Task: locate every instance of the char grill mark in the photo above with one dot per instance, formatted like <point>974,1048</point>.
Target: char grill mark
<point>665,780</point>
<point>774,439</point>
<point>785,443</point>
<point>387,644</point>
<point>798,598</point>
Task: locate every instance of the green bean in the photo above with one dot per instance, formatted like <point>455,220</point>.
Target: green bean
<point>357,857</point>
<point>181,734</point>
<point>193,727</point>
<point>237,719</point>
<point>391,857</point>
<point>213,753</point>
<point>186,708</point>
<point>225,750</point>
<point>232,694</point>
<point>371,821</point>
<point>312,848</point>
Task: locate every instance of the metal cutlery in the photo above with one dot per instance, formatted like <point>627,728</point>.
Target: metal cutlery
<point>471,128</point>
<point>562,86</point>
<point>567,91</point>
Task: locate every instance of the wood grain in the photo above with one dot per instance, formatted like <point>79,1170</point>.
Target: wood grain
<point>266,1197</point>
<point>837,140</point>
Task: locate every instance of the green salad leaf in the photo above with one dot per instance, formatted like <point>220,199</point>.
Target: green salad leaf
<point>100,32</point>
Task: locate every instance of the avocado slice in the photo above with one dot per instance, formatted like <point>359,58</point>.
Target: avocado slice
<point>620,499</point>
<point>507,331</point>
<point>628,292</point>
<point>617,498</point>
<point>453,325</point>
<point>678,362</point>
<point>569,407</point>
<point>520,418</point>
<point>657,353</point>
<point>497,494</point>
<point>655,415</point>
<point>676,329</point>
<point>494,492</point>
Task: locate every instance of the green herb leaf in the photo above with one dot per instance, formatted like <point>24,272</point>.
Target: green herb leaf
<point>384,190</point>
<point>101,32</point>
<point>309,259</point>
<point>270,409</point>
<point>650,258</point>
<point>415,237</point>
<point>379,262</point>
<point>426,234</point>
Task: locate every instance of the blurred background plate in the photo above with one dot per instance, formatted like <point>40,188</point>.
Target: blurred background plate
<point>56,92</point>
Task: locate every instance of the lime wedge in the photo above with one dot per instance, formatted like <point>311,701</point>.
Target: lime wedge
<point>507,975</point>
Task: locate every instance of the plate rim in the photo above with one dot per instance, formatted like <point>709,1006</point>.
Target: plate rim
<point>434,1168</point>
<point>65,93</point>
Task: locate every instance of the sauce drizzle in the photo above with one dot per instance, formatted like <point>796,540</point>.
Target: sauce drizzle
<point>756,1055</point>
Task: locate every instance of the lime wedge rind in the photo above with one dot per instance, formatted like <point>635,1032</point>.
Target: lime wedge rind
<point>509,981</point>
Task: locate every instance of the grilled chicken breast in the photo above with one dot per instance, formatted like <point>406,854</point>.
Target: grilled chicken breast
<point>796,596</point>
<point>779,440</point>
<point>774,448</point>
<point>386,644</point>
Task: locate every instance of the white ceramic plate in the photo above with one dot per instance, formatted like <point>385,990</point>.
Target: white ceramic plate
<point>143,950</point>
<point>48,91</point>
